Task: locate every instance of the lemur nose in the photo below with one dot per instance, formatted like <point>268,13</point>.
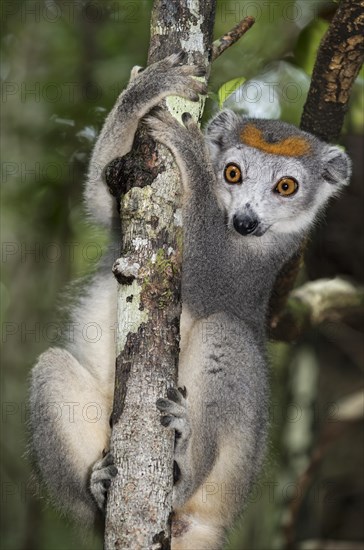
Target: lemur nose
<point>245,225</point>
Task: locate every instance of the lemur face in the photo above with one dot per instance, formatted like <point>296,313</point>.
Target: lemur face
<point>272,177</point>
<point>260,193</point>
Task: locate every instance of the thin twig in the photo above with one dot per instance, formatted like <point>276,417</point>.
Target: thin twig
<point>231,37</point>
<point>348,411</point>
<point>339,59</point>
<point>330,433</point>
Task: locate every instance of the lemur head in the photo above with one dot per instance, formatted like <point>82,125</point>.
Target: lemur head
<point>272,177</point>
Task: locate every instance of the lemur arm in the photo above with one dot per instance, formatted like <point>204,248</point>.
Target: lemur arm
<point>146,89</point>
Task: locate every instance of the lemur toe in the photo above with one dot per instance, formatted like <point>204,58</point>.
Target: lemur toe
<point>175,402</point>
<point>174,412</point>
<point>183,391</point>
<point>176,59</point>
<point>174,395</point>
<point>166,420</point>
<point>103,471</point>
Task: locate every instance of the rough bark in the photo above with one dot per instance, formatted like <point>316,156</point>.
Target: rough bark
<point>339,59</point>
<point>338,62</point>
<point>139,501</point>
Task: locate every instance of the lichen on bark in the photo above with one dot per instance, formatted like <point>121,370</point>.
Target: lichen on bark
<point>147,182</point>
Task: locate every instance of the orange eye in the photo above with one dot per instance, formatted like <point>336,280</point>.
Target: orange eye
<point>286,186</point>
<point>232,173</point>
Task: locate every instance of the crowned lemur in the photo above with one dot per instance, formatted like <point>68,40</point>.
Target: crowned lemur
<point>251,191</point>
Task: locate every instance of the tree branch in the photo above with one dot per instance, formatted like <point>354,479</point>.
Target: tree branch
<point>231,37</point>
<point>347,412</point>
<point>315,303</point>
<point>338,62</point>
<point>147,179</point>
<point>147,182</point>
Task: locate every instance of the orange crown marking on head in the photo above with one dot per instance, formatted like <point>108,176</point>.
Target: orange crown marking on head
<point>289,147</point>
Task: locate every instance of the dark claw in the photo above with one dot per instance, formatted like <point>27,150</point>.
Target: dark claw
<point>174,395</point>
<point>162,404</point>
<point>106,483</point>
<point>156,111</point>
<point>176,472</point>
<point>113,470</point>
<point>182,57</point>
<point>186,117</point>
<point>183,391</point>
<point>166,420</point>
<point>201,71</point>
<point>109,460</point>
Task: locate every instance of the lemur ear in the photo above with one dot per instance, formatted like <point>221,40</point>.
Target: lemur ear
<point>337,166</point>
<point>221,127</point>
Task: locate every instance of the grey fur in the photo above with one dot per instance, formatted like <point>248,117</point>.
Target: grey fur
<point>226,285</point>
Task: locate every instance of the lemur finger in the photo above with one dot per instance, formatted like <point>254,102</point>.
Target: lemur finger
<point>160,125</point>
<point>166,420</point>
<point>179,60</point>
<point>109,460</point>
<point>175,395</point>
<point>175,59</point>
<point>188,121</point>
<point>136,70</point>
<point>99,493</point>
<point>106,460</point>
<point>106,483</point>
<point>193,70</point>
<point>105,473</point>
<point>183,391</point>
<point>200,87</point>
<point>191,83</point>
<point>188,88</point>
<point>188,93</point>
<point>100,480</point>
<point>177,424</point>
<point>172,408</point>
<point>158,116</point>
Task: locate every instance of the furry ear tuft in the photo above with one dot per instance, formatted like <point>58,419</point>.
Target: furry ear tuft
<point>221,126</point>
<point>337,166</point>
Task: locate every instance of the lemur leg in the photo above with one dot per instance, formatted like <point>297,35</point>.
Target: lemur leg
<point>145,90</point>
<point>70,424</point>
<point>226,421</point>
<point>188,532</point>
<point>223,432</point>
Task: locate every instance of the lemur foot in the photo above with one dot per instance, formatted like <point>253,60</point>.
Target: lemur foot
<point>170,77</point>
<point>103,471</point>
<point>179,77</point>
<point>165,128</point>
<point>174,413</point>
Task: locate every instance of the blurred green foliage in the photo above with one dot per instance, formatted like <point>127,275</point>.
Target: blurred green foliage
<point>64,64</point>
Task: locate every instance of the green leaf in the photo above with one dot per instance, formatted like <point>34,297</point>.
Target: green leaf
<point>228,88</point>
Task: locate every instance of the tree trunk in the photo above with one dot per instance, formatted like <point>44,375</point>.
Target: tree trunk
<point>339,59</point>
<point>338,62</point>
<point>139,501</point>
